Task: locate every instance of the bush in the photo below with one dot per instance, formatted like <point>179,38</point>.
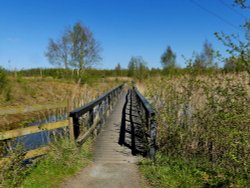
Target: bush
<point>206,119</point>
<point>3,79</point>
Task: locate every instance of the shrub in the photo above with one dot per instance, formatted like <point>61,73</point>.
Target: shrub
<point>206,119</point>
<point>3,79</point>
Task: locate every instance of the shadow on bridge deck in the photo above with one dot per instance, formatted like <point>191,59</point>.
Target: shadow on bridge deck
<point>132,131</point>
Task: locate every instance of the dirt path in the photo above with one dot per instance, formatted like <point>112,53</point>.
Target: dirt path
<point>113,166</point>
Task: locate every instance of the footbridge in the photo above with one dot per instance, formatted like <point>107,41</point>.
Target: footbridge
<point>122,124</point>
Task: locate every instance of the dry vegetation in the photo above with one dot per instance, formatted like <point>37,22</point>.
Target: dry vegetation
<point>204,120</point>
<point>30,98</point>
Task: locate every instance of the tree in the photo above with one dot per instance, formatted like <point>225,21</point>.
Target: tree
<point>168,59</point>
<point>76,48</point>
<point>241,3</point>
<point>118,69</point>
<point>230,64</point>
<point>85,50</point>
<point>131,67</point>
<point>206,58</point>
<point>199,62</point>
<point>58,52</point>
<point>142,70</point>
<point>237,48</point>
<point>208,53</point>
<point>137,67</point>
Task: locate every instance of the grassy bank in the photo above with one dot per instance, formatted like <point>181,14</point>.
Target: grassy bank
<point>63,160</point>
<point>167,171</point>
<point>170,172</point>
<point>27,98</point>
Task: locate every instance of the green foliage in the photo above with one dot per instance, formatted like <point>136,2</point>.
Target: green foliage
<point>118,69</point>
<point>168,59</point>
<point>168,171</point>
<point>87,78</point>
<point>71,74</point>
<point>171,172</point>
<point>137,68</point>
<point>3,79</point>
<point>13,171</point>
<point>63,160</point>
<point>241,3</point>
<point>206,119</point>
<point>205,59</point>
<point>5,88</point>
<point>238,49</point>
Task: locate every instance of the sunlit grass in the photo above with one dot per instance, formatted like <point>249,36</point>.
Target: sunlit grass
<point>170,172</point>
<point>63,160</point>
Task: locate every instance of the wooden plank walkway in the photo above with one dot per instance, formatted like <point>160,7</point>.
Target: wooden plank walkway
<point>113,166</point>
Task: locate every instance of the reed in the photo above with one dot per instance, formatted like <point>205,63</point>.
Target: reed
<point>205,119</point>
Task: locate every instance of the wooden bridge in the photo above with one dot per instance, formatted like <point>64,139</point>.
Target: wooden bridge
<point>122,122</point>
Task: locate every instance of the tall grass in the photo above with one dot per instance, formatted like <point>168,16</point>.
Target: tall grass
<point>205,119</point>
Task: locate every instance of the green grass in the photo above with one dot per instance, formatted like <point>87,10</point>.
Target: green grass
<point>167,172</point>
<point>63,160</point>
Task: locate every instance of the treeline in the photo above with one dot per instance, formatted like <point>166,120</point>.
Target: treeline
<point>136,70</point>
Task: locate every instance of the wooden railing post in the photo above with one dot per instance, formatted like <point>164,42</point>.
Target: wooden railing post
<point>109,105</point>
<point>76,126</point>
<point>101,113</point>
<point>153,133</point>
<point>91,118</point>
<point>71,129</point>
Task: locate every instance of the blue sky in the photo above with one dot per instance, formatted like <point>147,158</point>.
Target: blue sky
<point>124,28</point>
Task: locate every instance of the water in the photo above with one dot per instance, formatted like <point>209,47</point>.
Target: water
<point>37,140</point>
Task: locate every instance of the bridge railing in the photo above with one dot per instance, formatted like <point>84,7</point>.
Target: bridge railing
<point>96,111</point>
<point>148,114</point>
<point>89,118</point>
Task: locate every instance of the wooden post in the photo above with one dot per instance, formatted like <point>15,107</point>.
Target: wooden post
<point>100,115</point>
<point>110,104</point>
<point>153,132</point>
<point>71,129</point>
<point>69,107</point>
<point>76,127</point>
<point>91,118</point>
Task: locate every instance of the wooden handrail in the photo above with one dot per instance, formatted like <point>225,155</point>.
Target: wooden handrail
<point>84,109</point>
<point>89,108</point>
<point>33,129</point>
<point>150,121</point>
<point>150,110</point>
